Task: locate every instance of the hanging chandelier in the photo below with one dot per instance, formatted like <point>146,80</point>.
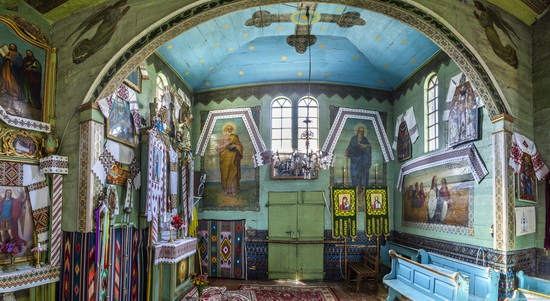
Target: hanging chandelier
<point>306,164</point>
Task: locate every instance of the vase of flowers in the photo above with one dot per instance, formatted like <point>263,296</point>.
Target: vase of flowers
<point>10,249</point>
<point>200,282</point>
<point>177,224</point>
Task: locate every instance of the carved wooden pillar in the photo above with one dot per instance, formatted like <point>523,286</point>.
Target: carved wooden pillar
<point>57,166</point>
<point>92,133</point>
<point>503,200</point>
<point>503,186</point>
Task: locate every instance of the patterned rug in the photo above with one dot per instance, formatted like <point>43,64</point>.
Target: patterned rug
<point>258,292</point>
<point>290,293</point>
<point>221,248</point>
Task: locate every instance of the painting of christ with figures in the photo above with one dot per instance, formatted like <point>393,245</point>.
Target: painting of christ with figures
<point>439,195</point>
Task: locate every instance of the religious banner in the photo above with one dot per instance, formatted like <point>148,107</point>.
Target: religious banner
<point>344,211</point>
<point>377,218</point>
<point>221,248</point>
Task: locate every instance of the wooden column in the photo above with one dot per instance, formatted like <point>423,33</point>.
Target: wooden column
<point>503,199</point>
<point>503,185</point>
<point>92,138</point>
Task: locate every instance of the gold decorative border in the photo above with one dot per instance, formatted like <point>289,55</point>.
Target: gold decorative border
<point>9,142</point>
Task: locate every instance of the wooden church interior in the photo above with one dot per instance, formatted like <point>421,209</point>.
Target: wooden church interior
<point>397,144</point>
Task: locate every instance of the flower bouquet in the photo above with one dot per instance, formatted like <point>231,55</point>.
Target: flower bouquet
<point>11,248</point>
<point>177,224</point>
<point>200,282</point>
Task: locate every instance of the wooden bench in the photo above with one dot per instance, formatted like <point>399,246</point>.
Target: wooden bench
<point>483,280</point>
<point>369,268</point>
<point>418,282</point>
<point>527,295</point>
<point>404,251</point>
<point>531,288</point>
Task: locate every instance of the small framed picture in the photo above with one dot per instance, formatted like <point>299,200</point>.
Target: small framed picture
<point>134,80</point>
<point>526,181</point>
<point>404,145</point>
<point>120,127</point>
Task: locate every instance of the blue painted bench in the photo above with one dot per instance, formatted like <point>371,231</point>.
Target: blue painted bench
<point>531,288</point>
<point>527,295</point>
<point>483,280</point>
<point>402,250</point>
<point>419,282</point>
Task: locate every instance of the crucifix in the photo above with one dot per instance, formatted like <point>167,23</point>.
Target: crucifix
<point>302,37</point>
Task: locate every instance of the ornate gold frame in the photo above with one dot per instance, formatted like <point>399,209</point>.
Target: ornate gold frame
<point>27,142</point>
<point>31,34</point>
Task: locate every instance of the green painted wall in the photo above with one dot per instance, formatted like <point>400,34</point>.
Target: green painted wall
<point>259,220</point>
<point>483,202</point>
<point>541,115</point>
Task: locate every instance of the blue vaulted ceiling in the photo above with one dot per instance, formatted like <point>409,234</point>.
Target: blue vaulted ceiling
<point>350,46</point>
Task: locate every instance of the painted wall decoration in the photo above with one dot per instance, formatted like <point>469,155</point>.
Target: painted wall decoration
<point>439,196</point>
<point>490,20</point>
<point>23,72</point>
<point>377,218</point>
<point>406,133</point>
<point>356,151</point>
<point>17,223</point>
<point>232,182</point>
<point>404,145</point>
<point>119,124</point>
<point>462,112</point>
<point>104,22</point>
<point>344,211</point>
<point>526,181</point>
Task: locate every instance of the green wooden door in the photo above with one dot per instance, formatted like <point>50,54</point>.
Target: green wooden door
<point>296,217</point>
<point>282,227</point>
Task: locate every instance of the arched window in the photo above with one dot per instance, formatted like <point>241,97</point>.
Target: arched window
<point>281,125</point>
<point>431,119</point>
<point>308,110</point>
<point>162,84</point>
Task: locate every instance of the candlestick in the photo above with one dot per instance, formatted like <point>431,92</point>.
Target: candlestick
<point>376,174</point>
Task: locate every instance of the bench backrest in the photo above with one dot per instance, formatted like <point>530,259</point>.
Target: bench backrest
<point>526,295</point>
<point>534,284</point>
<point>433,283</point>
<point>405,251</point>
<point>483,280</point>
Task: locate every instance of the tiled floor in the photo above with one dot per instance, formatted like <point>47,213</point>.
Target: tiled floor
<point>344,291</point>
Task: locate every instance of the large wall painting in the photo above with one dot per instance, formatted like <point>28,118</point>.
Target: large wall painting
<point>356,151</point>
<point>23,75</point>
<point>17,221</point>
<point>440,198</point>
<point>232,182</point>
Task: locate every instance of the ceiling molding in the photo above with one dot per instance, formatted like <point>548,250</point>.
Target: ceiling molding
<point>259,91</point>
